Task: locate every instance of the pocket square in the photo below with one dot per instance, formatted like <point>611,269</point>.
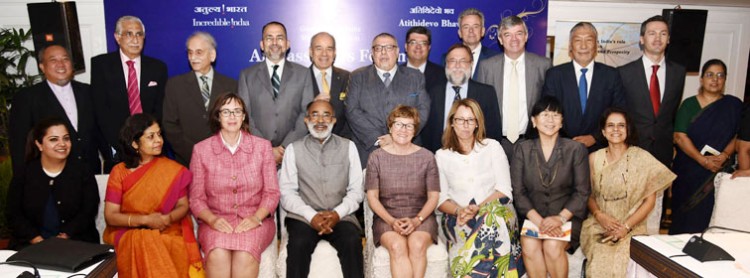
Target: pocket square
<point>152,83</point>
<point>414,94</point>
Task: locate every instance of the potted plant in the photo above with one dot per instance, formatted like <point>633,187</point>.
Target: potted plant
<point>14,56</point>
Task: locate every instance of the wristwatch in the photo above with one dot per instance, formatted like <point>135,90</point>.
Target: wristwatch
<point>421,219</point>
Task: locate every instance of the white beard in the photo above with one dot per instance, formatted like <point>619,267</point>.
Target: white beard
<point>320,135</point>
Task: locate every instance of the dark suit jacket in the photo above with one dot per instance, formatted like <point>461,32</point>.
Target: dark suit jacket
<point>433,74</point>
<point>339,83</point>
<point>606,91</point>
<point>38,102</point>
<point>368,103</point>
<point>185,119</point>
<point>484,94</point>
<point>75,192</point>
<point>655,132</point>
<point>110,93</point>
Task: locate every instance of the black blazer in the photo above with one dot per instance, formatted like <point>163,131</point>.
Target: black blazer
<point>339,83</point>
<point>38,102</point>
<point>185,119</point>
<point>655,132</point>
<point>606,91</point>
<point>76,195</point>
<point>110,93</point>
<point>434,74</point>
<point>484,94</point>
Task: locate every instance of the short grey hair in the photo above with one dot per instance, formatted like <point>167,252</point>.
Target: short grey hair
<point>468,12</point>
<point>584,24</point>
<point>322,34</point>
<point>511,21</point>
<point>123,19</point>
<point>203,35</point>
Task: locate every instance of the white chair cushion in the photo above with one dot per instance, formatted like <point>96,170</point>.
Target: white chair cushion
<point>731,209</point>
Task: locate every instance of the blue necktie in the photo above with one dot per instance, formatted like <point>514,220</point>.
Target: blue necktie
<point>582,88</point>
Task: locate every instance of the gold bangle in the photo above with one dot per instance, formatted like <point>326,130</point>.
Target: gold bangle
<point>129,216</point>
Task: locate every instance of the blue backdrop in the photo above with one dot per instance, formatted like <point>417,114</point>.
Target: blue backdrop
<point>236,25</point>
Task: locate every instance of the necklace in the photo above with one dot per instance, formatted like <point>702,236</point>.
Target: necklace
<point>541,176</point>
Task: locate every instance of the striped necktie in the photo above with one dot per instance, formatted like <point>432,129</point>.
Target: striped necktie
<point>275,82</point>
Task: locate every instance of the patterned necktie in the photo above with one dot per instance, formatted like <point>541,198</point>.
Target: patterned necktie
<point>134,95</point>
<point>582,90</point>
<point>457,97</point>
<point>275,82</point>
<point>324,82</point>
<point>512,118</point>
<point>387,79</point>
<point>205,91</point>
<point>654,90</point>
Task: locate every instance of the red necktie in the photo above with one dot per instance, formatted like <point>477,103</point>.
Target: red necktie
<point>134,96</point>
<point>654,89</point>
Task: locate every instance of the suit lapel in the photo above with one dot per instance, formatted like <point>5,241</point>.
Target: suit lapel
<point>337,84</point>
<point>194,89</point>
<point>569,77</point>
<point>263,77</point>
<point>440,103</point>
<point>671,92</point>
<point>316,90</point>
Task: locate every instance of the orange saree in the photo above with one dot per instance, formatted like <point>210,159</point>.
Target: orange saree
<point>144,252</point>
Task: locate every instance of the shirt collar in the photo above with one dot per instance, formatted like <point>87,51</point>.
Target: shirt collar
<point>210,74</point>
<point>125,58</point>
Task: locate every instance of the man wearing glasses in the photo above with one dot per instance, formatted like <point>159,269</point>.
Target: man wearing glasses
<point>276,92</point>
<point>518,78</point>
<point>418,41</point>
<point>376,89</point>
<point>321,188</point>
<point>124,83</point>
<point>459,85</point>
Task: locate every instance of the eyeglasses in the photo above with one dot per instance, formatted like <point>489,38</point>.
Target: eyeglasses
<point>325,116</point>
<point>711,75</point>
<point>550,115</point>
<point>421,43</point>
<point>387,48</point>
<point>467,121</point>
<point>461,62</point>
<point>400,125</point>
<point>236,112</point>
<point>131,35</point>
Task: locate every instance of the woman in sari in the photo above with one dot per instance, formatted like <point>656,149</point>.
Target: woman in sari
<point>475,196</point>
<point>146,207</point>
<point>707,120</point>
<point>625,179</point>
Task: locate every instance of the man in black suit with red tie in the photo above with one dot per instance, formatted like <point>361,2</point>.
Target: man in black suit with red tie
<point>58,96</point>
<point>653,90</point>
<point>459,85</point>
<point>125,82</point>
<point>329,82</point>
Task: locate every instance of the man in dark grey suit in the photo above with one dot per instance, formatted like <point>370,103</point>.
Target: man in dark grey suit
<point>124,83</point>
<point>418,41</point>
<point>189,96</point>
<point>654,117</point>
<point>442,96</point>
<point>500,71</point>
<point>329,82</point>
<point>653,91</point>
<point>276,92</point>
<point>471,31</point>
<point>376,89</point>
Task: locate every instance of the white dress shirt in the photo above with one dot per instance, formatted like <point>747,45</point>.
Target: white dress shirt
<point>473,176</point>
<point>589,75</point>
<point>381,72</point>
<point>661,74</point>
